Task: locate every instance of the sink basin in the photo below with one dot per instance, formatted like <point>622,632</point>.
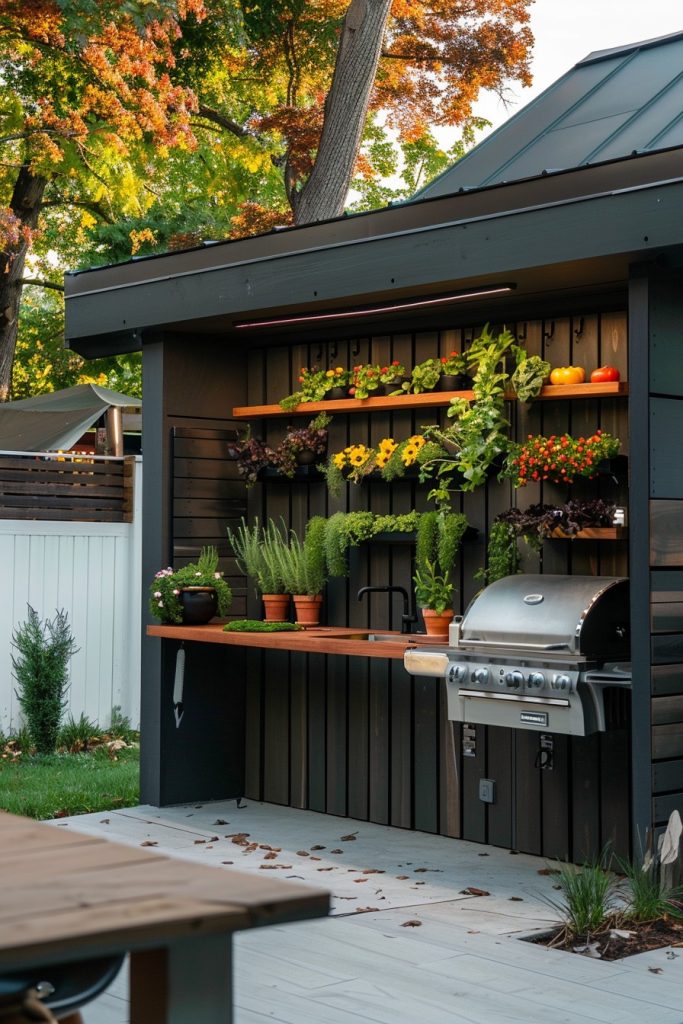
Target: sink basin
<point>375,637</point>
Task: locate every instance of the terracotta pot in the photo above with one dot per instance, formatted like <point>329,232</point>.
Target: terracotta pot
<point>307,609</point>
<point>437,624</point>
<point>199,605</point>
<point>276,607</point>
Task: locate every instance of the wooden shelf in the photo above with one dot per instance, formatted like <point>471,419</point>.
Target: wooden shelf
<point>593,533</point>
<point>428,400</point>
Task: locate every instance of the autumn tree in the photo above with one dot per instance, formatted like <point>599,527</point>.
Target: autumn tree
<point>86,92</point>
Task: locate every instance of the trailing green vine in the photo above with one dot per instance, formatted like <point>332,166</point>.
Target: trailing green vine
<point>502,554</point>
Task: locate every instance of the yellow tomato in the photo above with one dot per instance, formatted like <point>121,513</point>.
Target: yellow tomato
<point>568,375</point>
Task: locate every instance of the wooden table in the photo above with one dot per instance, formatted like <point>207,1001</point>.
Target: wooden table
<point>68,896</point>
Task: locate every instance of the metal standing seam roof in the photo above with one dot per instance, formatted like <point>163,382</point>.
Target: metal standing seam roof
<point>611,104</point>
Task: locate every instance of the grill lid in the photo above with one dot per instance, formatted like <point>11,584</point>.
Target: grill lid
<point>577,615</point>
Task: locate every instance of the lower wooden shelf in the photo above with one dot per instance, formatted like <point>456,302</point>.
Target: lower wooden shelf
<point>593,533</point>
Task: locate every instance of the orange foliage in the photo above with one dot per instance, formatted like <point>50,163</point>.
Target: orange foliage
<point>254,219</point>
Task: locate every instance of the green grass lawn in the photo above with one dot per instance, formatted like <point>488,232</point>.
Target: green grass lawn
<point>58,785</point>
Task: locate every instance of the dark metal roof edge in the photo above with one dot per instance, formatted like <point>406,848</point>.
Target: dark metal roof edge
<point>495,186</point>
<point>616,51</point>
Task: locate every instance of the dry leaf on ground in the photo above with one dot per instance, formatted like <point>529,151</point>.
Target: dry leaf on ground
<point>411,924</point>
<point>472,890</point>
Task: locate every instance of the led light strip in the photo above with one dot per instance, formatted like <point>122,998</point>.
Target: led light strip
<point>370,310</point>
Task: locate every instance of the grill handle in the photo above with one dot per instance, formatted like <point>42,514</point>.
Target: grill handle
<point>528,647</point>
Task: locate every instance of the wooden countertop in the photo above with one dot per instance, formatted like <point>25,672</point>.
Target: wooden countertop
<point>321,640</point>
<point>68,895</point>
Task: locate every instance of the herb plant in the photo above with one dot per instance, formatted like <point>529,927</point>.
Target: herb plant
<point>41,667</point>
<point>165,588</point>
<point>258,626</point>
<point>502,557</point>
<point>433,590</point>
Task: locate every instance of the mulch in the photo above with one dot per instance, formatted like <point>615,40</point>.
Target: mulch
<point>609,944</point>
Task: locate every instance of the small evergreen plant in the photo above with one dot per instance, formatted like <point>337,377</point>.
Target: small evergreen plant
<point>41,667</point>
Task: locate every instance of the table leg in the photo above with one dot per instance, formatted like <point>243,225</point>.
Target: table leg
<point>184,983</point>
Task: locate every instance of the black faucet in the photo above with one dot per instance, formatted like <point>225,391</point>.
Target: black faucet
<point>407,617</point>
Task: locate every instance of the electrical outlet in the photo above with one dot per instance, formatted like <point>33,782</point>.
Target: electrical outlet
<point>487,790</point>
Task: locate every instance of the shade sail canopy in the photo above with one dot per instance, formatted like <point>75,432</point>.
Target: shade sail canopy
<point>54,422</point>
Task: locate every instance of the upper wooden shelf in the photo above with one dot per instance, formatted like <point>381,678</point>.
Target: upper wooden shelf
<point>593,533</point>
<point>428,400</point>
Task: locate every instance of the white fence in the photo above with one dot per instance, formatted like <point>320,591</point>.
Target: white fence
<point>92,571</point>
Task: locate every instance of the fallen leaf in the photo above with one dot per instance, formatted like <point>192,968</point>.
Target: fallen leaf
<point>671,955</point>
<point>346,897</point>
<point>482,855</point>
<point>198,842</point>
<point>365,910</point>
<point>302,853</point>
<point>104,821</point>
<point>590,949</point>
<point>209,847</point>
<point>423,870</point>
<point>336,851</point>
<point>350,838</point>
<point>317,847</point>
<point>359,880</point>
<point>414,923</point>
<point>220,821</point>
<point>149,842</point>
<point>656,970</point>
<point>548,871</point>
<point>265,867</point>
<point>516,899</point>
<point>374,871</point>
<point>402,878</point>
<point>227,862</point>
<point>619,933</point>
<point>324,869</point>
<point>270,856</point>
<point>472,931</point>
<point>471,890</point>
<point>316,858</point>
<point>420,883</point>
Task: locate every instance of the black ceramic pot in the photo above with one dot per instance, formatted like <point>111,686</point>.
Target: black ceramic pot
<point>336,394</point>
<point>306,457</point>
<point>199,605</point>
<point>454,382</point>
<point>394,385</point>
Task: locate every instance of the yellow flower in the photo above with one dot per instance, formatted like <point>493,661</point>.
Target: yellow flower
<point>387,445</point>
<point>329,373</point>
<point>409,454</point>
<point>339,369</point>
<point>359,454</point>
<point>339,460</point>
<point>416,439</point>
<point>382,460</point>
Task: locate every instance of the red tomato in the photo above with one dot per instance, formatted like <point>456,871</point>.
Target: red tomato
<point>604,374</point>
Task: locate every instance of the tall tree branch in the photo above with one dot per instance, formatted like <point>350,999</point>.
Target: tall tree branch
<point>224,122</point>
<point>40,282</point>
<point>95,208</point>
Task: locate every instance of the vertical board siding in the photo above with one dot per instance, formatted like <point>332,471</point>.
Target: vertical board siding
<point>363,738</point>
<point>92,572</point>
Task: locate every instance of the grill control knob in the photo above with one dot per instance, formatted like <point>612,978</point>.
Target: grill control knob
<point>457,674</point>
<point>514,680</point>
<point>561,682</point>
<point>481,676</point>
<point>536,679</point>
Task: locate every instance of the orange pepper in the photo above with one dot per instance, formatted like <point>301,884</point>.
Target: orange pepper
<point>568,375</point>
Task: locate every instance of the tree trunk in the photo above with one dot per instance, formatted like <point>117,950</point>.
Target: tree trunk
<point>346,107</point>
<point>25,205</point>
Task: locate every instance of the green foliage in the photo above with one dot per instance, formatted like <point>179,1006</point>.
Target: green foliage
<point>432,590</point>
<point>529,375</point>
<point>648,897</point>
<point>452,526</point>
<point>258,626</point>
<point>336,544</point>
<point>427,540</point>
<point>56,785</point>
<point>302,564</point>
<point>41,668</point>
<point>425,376</point>
<point>120,727</point>
<point>502,554</point>
<point>75,736</point>
<point>349,529</point>
<point>589,896</point>
<point>255,549</point>
<point>164,590</point>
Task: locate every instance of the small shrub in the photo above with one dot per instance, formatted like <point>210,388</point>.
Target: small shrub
<point>120,727</point>
<point>590,897</point>
<point>42,672</point>
<point>648,897</point>
<point>77,736</point>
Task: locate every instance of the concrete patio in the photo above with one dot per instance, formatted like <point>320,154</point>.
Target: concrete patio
<point>406,942</point>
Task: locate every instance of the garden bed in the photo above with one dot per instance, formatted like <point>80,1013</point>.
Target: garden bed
<point>616,941</point>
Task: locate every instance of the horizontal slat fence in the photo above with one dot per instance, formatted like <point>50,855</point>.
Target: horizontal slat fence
<point>68,488</point>
<point>91,570</point>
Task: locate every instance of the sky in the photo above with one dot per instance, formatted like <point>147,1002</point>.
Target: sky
<point>566,31</point>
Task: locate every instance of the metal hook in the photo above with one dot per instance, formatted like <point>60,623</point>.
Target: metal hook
<point>319,356</point>
<point>521,335</point>
<point>578,331</point>
<point>355,348</point>
<point>332,355</point>
<point>547,335</point>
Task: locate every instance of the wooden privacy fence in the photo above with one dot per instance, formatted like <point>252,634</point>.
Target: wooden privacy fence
<point>75,488</point>
<point>86,561</point>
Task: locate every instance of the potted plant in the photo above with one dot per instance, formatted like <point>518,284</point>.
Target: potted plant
<point>313,382</point>
<point>364,380</point>
<point>192,595</point>
<point>253,456</point>
<point>254,550</point>
<point>392,378</point>
<point>559,459</point>
<point>434,596</point>
<point>303,568</point>
<point>338,380</point>
<point>425,376</point>
<point>301,447</point>
<point>454,376</point>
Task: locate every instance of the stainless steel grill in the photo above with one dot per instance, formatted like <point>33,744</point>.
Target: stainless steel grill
<point>535,652</point>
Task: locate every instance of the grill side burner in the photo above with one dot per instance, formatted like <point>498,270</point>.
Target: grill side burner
<point>535,652</point>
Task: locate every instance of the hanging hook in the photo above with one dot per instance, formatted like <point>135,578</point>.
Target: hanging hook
<point>578,331</point>
<point>332,354</point>
<point>355,348</point>
<point>547,334</point>
<point>319,355</point>
<point>521,335</point>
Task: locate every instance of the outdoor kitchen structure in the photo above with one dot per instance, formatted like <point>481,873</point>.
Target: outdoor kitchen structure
<point>566,226</point>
